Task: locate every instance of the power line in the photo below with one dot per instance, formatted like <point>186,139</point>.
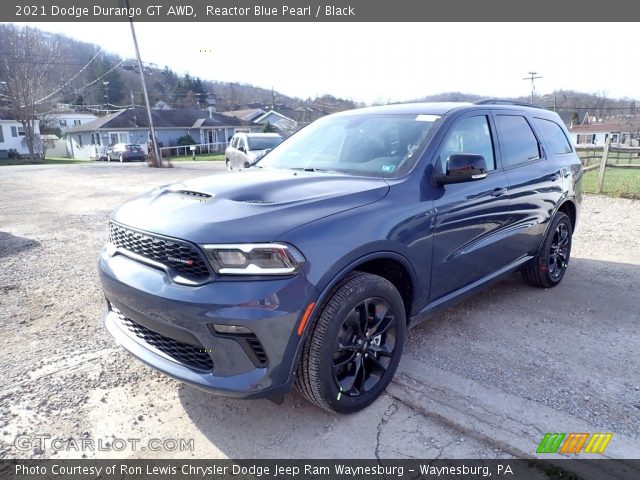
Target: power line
<point>71,79</point>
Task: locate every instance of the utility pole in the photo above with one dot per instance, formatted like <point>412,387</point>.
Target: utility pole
<point>106,95</point>
<point>133,107</point>
<point>532,77</point>
<point>154,140</point>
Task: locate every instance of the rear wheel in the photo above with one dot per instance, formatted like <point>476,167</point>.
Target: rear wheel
<point>121,158</point>
<point>228,165</point>
<point>355,346</point>
<point>548,267</point>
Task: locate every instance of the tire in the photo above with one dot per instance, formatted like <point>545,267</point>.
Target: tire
<point>548,267</point>
<point>108,158</point>
<point>345,366</point>
<point>228,165</point>
<point>121,158</point>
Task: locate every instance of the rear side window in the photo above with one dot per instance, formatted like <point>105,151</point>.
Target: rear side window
<point>553,135</point>
<point>518,143</point>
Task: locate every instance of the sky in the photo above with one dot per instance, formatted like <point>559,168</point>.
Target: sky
<point>382,62</point>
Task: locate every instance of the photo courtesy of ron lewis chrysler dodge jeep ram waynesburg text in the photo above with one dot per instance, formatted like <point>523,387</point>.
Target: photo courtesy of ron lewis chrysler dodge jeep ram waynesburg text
<point>307,268</point>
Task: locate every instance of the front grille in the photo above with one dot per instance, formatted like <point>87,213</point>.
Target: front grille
<point>189,355</point>
<point>181,256</point>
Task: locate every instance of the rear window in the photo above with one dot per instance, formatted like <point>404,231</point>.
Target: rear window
<point>133,148</point>
<point>263,143</point>
<point>553,135</point>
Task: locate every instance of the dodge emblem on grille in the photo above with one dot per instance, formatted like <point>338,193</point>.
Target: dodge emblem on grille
<point>180,260</point>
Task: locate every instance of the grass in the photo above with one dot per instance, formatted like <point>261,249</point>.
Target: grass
<point>213,157</point>
<point>618,182</point>
<point>48,161</point>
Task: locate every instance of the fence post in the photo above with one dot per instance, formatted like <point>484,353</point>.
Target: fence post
<point>603,166</point>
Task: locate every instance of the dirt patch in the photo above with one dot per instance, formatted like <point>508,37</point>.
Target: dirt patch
<point>572,348</point>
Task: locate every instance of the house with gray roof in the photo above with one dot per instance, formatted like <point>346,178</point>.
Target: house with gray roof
<point>210,129</point>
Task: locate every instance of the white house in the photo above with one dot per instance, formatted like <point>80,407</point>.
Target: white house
<point>619,133</point>
<point>12,136</point>
<point>280,122</point>
<point>66,120</point>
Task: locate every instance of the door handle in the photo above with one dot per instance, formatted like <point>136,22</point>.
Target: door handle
<point>498,192</point>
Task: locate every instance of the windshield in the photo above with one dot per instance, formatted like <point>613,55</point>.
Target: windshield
<point>366,144</point>
<point>263,143</point>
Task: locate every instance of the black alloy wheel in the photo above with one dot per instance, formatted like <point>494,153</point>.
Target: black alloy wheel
<point>548,267</point>
<point>353,348</point>
<point>364,346</point>
<point>559,251</point>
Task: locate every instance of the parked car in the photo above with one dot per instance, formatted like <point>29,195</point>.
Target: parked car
<point>125,152</point>
<point>246,148</point>
<point>307,269</point>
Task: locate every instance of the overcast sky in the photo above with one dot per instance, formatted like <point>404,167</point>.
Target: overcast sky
<point>369,62</point>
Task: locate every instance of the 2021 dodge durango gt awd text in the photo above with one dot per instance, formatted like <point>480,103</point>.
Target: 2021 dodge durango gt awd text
<point>307,269</point>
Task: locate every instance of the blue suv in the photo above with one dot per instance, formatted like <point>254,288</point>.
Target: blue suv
<point>307,268</point>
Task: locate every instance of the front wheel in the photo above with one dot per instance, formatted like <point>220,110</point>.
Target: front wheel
<point>121,158</point>
<point>228,165</point>
<point>548,267</point>
<point>355,346</point>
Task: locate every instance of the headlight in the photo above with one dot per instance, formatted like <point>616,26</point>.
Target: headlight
<point>254,259</point>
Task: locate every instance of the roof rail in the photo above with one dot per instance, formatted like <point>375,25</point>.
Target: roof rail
<point>498,101</point>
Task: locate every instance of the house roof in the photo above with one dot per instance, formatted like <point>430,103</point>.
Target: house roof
<point>247,114</point>
<point>137,118</point>
<point>273,112</point>
<point>602,127</point>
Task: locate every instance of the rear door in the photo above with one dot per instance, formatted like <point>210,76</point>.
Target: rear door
<point>472,218</point>
<point>535,180</point>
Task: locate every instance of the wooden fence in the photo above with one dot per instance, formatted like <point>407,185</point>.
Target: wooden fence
<point>600,158</point>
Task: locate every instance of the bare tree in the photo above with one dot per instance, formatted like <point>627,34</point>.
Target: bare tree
<point>29,68</point>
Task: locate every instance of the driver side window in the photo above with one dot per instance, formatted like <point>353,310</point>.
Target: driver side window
<point>470,135</point>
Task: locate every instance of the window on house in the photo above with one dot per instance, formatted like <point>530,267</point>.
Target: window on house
<point>518,144</point>
<point>14,131</point>
<point>63,123</point>
<point>76,123</point>
<point>80,140</point>
<point>1,135</point>
<point>21,132</point>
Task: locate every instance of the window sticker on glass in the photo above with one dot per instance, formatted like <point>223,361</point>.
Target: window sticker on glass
<point>427,118</point>
<point>388,168</point>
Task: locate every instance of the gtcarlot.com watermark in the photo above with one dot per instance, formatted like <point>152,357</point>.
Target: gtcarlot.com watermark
<point>41,443</point>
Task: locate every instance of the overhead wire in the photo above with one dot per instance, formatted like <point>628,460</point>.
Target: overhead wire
<point>70,80</point>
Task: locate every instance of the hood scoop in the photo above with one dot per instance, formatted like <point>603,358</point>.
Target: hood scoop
<point>191,193</point>
<point>257,201</point>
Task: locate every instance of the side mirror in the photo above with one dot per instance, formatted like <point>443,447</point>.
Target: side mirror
<point>463,167</point>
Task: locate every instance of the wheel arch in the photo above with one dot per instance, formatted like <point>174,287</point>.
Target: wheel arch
<point>389,265</point>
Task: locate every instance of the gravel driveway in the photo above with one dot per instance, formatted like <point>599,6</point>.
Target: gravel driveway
<point>574,348</point>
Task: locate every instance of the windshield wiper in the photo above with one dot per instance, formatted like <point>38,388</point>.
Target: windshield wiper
<point>314,169</point>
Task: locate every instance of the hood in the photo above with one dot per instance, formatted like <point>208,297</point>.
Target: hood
<point>249,206</point>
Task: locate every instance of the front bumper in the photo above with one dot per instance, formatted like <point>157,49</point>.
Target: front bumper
<point>164,324</point>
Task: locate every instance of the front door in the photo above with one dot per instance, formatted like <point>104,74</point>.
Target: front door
<point>472,218</point>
